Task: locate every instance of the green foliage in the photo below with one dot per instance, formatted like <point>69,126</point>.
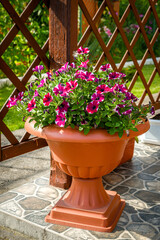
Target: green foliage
<point>19,55</point>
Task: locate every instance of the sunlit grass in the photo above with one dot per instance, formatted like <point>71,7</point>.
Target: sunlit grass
<point>12,119</point>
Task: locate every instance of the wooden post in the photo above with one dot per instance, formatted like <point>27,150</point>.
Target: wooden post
<point>63,16</point>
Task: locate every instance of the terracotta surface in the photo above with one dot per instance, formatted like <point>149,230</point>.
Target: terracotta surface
<point>87,158</point>
<point>128,152</point>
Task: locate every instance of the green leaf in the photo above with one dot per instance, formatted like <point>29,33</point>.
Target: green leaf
<point>72,125</point>
<point>136,139</point>
<point>86,130</point>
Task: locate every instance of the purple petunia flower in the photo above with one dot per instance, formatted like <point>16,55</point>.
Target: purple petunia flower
<point>82,50</point>
<point>119,88</point>
<point>98,97</point>
<point>31,105</point>
<point>103,89</point>
<point>152,110</point>
<point>12,101</point>
<point>61,90</point>
<point>60,120</point>
<point>105,67</point>
<point>71,85</point>
<point>130,96</point>
<point>47,99</point>
<point>63,108</point>
<point>38,68</point>
<point>114,75</point>
<point>92,107</point>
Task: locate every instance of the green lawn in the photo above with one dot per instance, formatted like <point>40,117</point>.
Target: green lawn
<point>14,121</point>
<point>139,87</point>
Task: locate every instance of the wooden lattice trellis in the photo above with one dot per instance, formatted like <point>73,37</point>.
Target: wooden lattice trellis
<point>63,13</point>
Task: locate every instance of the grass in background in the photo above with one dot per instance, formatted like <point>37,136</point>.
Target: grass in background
<point>12,119</point>
<point>139,87</point>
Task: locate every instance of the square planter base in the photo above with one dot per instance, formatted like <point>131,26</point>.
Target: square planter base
<point>102,219</point>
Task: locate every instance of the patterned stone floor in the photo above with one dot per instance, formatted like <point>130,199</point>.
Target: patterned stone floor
<point>138,182</point>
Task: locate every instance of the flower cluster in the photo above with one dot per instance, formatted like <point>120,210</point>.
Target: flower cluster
<point>78,96</point>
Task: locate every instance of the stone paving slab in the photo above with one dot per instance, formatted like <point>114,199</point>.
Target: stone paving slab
<point>138,182</point>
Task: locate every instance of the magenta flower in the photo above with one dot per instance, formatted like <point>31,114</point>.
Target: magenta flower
<point>49,75</point>
<point>84,64</point>
<point>63,108</point>
<point>114,75</point>
<point>127,112</point>
<point>130,96</point>
<point>92,107</point>
<point>61,90</point>
<point>31,105</point>
<point>122,75</point>
<point>119,88</point>
<point>64,68</point>
<point>60,119</point>
<point>105,67</point>
<point>103,89</point>
<point>87,76</point>
<point>98,97</point>
<point>38,68</point>
<point>42,82</point>
<point>12,101</point>
<point>47,99</point>
<point>152,110</point>
<point>72,65</point>
<point>36,94</point>
<point>71,85</point>
<point>20,96</point>
<point>82,50</point>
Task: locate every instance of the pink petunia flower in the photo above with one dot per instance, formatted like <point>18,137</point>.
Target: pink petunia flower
<point>42,82</point>
<point>92,107</point>
<point>31,105</point>
<point>114,75</point>
<point>49,75</point>
<point>60,120</point>
<point>107,31</point>
<point>71,85</point>
<point>127,112</point>
<point>98,97</point>
<point>64,68</point>
<point>105,67</point>
<point>11,102</point>
<point>119,88</point>
<point>20,96</point>
<point>61,90</point>
<point>38,68</point>
<point>72,65</point>
<point>103,89</point>
<point>87,76</point>
<point>36,94</point>
<point>84,64</point>
<point>63,108</point>
<point>82,50</point>
<point>47,99</point>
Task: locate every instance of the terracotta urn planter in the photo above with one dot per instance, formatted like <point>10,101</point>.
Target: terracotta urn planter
<point>86,158</point>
